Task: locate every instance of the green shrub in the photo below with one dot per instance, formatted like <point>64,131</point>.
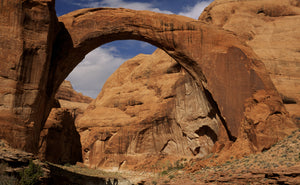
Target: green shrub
<point>171,176</point>
<point>164,172</point>
<point>179,165</point>
<point>67,164</point>
<point>31,175</point>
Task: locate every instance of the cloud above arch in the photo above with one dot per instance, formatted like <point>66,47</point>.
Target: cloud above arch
<point>90,75</point>
<point>195,11</point>
<point>121,3</point>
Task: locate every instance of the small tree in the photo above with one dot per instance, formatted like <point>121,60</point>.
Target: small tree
<point>31,175</point>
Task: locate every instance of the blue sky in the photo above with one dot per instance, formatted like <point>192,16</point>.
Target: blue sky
<point>90,75</point>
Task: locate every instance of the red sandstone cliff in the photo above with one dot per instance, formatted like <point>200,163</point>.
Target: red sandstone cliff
<point>59,139</point>
<point>70,99</point>
<point>271,29</point>
<point>150,106</point>
<point>39,50</point>
<point>144,110</point>
<point>67,93</point>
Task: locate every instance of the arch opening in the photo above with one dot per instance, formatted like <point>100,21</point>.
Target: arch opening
<point>188,42</point>
<point>235,75</point>
<point>89,76</point>
<point>156,84</point>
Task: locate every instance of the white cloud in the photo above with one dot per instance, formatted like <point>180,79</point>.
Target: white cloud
<point>145,45</point>
<point>90,75</point>
<point>123,4</point>
<point>195,11</point>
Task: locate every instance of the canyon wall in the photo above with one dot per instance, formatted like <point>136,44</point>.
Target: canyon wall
<point>59,139</point>
<point>39,50</point>
<point>27,30</point>
<point>149,107</point>
<point>117,133</point>
<point>271,29</point>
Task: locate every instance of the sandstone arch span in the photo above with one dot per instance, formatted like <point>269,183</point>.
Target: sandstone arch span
<point>215,58</point>
<point>49,48</point>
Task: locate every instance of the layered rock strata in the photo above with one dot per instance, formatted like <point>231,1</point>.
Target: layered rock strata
<point>60,142</point>
<point>271,29</point>
<point>27,34</point>
<point>59,139</point>
<point>72,100</point>
<point>67,93</point>
<point>149,106</point>
<point>38,51</point>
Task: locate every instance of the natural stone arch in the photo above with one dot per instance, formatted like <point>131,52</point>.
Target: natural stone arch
<point>215,58</point>
<point>88,29</point>
<point>39,51</point>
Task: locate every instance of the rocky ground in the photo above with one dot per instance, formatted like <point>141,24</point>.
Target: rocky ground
<point>13,162</point>
<point>139,121</point>
<point>278,165</point>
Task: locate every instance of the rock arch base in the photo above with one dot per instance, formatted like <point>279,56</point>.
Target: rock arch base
<point>38,51</point>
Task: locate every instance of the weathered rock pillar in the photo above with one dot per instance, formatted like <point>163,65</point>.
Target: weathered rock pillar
<point>27,30</point>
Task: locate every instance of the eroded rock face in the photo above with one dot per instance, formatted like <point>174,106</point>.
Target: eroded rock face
<point>60,142</point>
<point>59,139</point>
<point>27,31</point>
<point>271,29</point>
<point>67,93</point>
<point>149,106</point>
<point>38,53</point>
<point>217,60</point>
<point>72,100</point>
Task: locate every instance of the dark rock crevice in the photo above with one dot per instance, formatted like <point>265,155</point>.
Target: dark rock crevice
<point>215,107</point>
<point>206,130</point>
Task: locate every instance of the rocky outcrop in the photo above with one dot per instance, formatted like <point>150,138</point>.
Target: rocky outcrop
<point>14,161</point>
<point>13,157</point>
<point>39,52</point>
<point>60,142</point>
<point>60,126</point>
<point>271,29</point>
<point>67,93</point>
<point>27,33</point>
<point>149,106</point>
<point>206,53</point>
<point>72,100</point>
<point>285,175</point>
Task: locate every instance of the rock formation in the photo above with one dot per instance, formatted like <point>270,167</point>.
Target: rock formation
<point>72,100</point>
<point>115,115</point>
<point>67,93</point>
<point>60,126</point>
<point>27,34</point>
<point>149,106</point>
<point>38,51</point>
<point>60,142</point>
<point>271,29</point>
